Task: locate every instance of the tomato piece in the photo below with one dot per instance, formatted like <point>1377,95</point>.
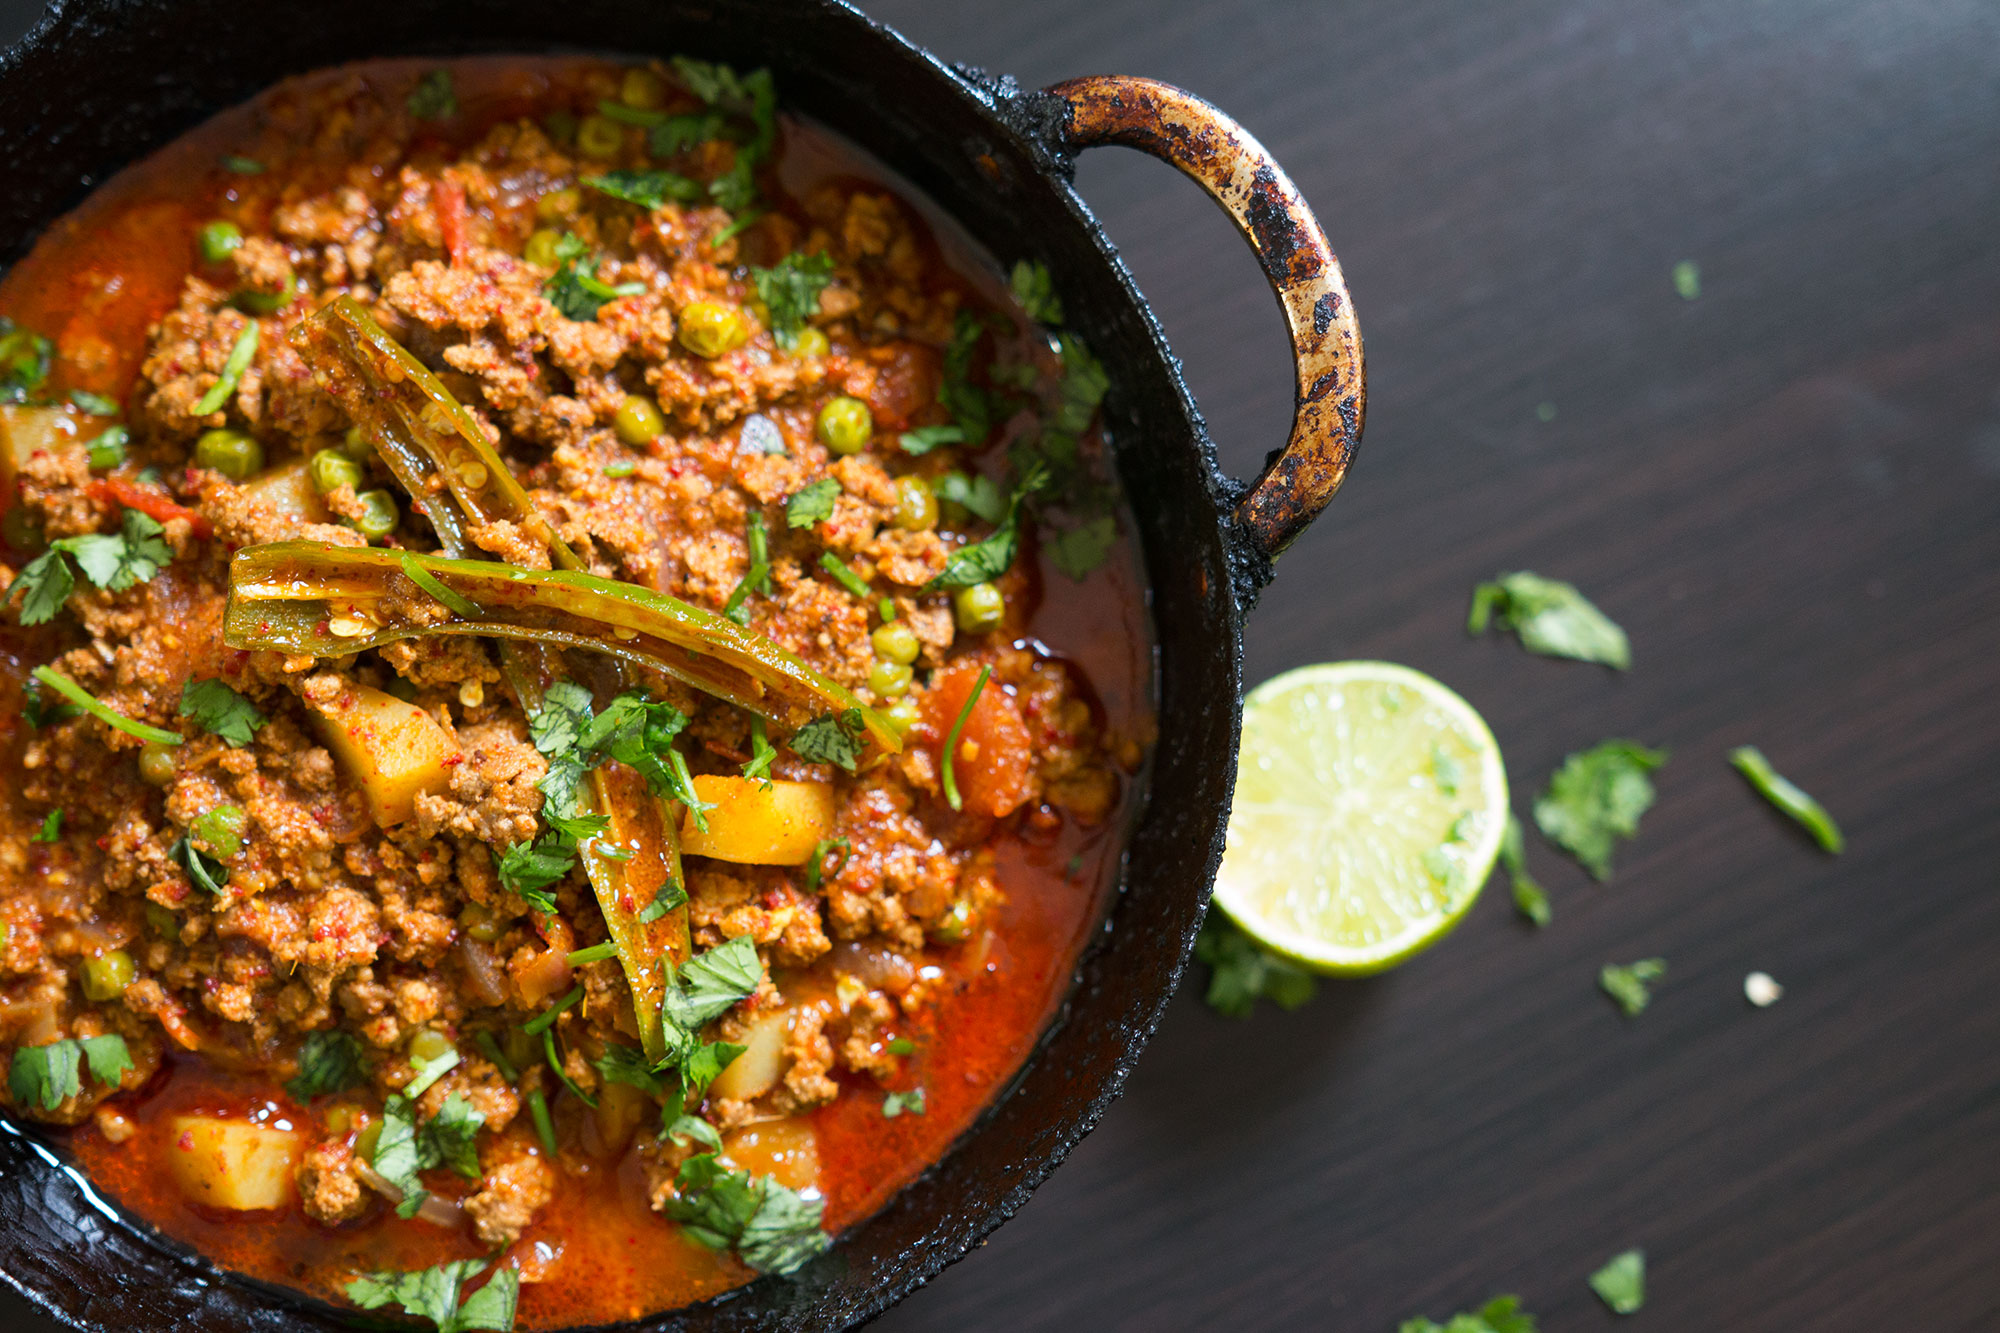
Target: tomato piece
<point>995,750</point>
<point>150,503</point>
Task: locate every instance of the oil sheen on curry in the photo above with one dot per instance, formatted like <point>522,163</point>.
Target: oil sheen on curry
<point>575,678</point>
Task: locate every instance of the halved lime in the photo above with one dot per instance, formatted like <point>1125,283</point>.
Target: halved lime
<point>1370,804</point>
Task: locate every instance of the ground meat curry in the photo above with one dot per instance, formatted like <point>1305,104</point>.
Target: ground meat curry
<point>573,681</point>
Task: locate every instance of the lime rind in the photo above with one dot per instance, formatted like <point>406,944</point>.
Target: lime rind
<point>1370,805</point>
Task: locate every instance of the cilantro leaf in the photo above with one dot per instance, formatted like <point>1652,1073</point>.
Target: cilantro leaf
<point>558,724</point>
<point>1502,1314</point>
<point>44,583</point>
<point>528,868</point>
<point>452,1134</point>
<point>574,288</point>
<point>1529,899</point>
<point>1552,618</point>
<point>970,406</point>
<point>670,896</point>
<point>712,983</point>
<point>329,1061</point>
<point>25,358</point>
<point>1629,985</point>
<point>116,561</point>
<point>685,1129</point>
<point>436,1294</point>
<point>1621,1284</point>
<point>816,863</point>
<point>203,871</point>
<point>980,495</point>
<point>671,134</point>
<point>812,504</point>
<point>628,1065</point>
<point>107,449</point>
<point>1788,797</point>
<point>648,189</point>
<point>96,404</point>
<point>897,1103</point>
<point>38,712</point>
<point>407,1147</point>
<point>772,1228</point>
<point>1241,971</point>
<point>216,707</point>
<point>832,738</point>
<point>1036,291</point>
<point>107,1056</point>
<point>790,290</point>
<point>987,559</point>
<point>51,829</point>
<point>922,440</point>
<point>762,752</point>
<point>1084,547</point>
<point>433,98</point>
<point>701,1063</point>
<point>50,1074</point>
<point>1596,796</point>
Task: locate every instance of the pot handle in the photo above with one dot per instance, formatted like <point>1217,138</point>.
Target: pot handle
<point>1237,171</point>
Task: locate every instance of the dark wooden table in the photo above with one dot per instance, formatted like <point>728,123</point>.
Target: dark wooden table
<point>1787,490</point>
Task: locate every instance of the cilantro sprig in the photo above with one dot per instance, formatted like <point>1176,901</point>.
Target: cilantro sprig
<point>409,1145</point>
<point>1630,984</point>
<point>329,1061</point>
<point>50,1074</point>
<point>438,1294</point>
<point>772,1228</point>
<point>574,288</point>
<point>215,707</point>
<point>1621,1283</point>
<point>1551,617</point>
<point>812,504</point>
<point>1502,1314</point>
<point>111,561</point>
<point>990,557</point>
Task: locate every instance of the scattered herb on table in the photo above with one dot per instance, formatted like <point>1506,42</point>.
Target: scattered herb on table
<point>1789,798</point>
<point>1241,971</point>
<point>1551,617</point>
<point>1621,1284</point>
<point>1630,985</point>
<point>1687,279</point>
<point>1502,1314</point>
<point>1596,797</point>
<point>1529,898</point>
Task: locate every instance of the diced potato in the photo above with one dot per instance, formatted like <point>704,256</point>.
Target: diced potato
<point>289,489</point>
<point>30,430</point>
<point>233,1163</point>
<point>785,1149</point>
<point>394,750</point>
<point>752,826</point>
<point>762,1064</point>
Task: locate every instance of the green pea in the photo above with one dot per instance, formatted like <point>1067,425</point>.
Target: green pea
<point>106,976</point>
<point>541,248</point>
<point>896,642</point>
<point>599,137</point>
<point>979,608</point>
<point>811,342</point>
<point>218,240</point>
<point>559,204</point>
<point>642,89</point>
<point>219,831</point>
<point>331,469</point>
<point>267,303</point>
<point>164,923</point>
<point>427,1044</point>
<point>889,680</point>
<point>710,328</point>
<point>916,505</point>
<point>157,764</point>
<point>954,925</point>
<point>846,425</point>
<point>233,453</point>
<point>902,714</point>
<point>357,444</point>
<point>379,517</point>
<point>480,922</point>
<point>637,420</point>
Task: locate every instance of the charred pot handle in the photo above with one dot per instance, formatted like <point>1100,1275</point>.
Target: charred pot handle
<point>1222,157</point>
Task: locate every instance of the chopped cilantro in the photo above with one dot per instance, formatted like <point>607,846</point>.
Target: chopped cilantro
<point>25,357</point>
<point>668,135</point>
<point>595,953</point>
<point>430,1071</point>
<point>545,1127</point>
<point>203,871</point>
<point>112,561</point>
<point>94,403</point>
<point>574,288</point>
<point>1552,618</point>
<point>762,752</point>
<point>107,450</point>
<point>528,868</point>
<point>970,407</point>
<point>756,576</point>
<point>215,707</point>
<point>1687,279</point>
<point>51,828</point>
<point>455,602</point>
<point>648,189</point>
<point>832,738</point>
<point>627,1065</point>
<point>750,96</point>
<point>102,711</point>
<point>1598,795</point>
<point>1084,547</point>
<point>1529,899</point>
<point>813,504</point>
<point>690,1129</point>
<point>979,495</point>
<point>1629,985</point>
<point>844,575</point>
<point>407,1147</point>
<point>1789,798</point>
<point>437,1294</point>
<point>1241,971</point>
<point>433,98</point>
<point>1621,1284</point>
<point>772,1228</point>
<point>240,356</point>
<point>329,1061</point>
<point>1036,291</point>
<point>926,438</point>
<point>545,1020</point>
<point>902,1046</point>
<point>707,986</point>
<point>987,559</point>
<point>816,871</point>
<point>897,1103</point>
<point>624,467</point>
<point>50,1074</point>
<point>1502,1314</point>
<point>38,712</point>
<point>790,290</point>
<point>670,896</point>
<point>242,166</point>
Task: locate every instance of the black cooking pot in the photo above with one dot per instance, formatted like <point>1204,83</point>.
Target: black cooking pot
<point>100,83</point>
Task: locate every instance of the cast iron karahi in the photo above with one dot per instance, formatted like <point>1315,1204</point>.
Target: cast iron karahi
<point>100,83</point>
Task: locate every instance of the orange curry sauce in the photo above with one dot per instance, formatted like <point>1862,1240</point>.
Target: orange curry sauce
<point>95,284</point>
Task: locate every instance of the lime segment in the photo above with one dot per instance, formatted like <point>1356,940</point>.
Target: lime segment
<point>1370,804</point>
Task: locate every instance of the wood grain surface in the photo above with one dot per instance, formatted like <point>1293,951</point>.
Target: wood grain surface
<point>1787,491</point>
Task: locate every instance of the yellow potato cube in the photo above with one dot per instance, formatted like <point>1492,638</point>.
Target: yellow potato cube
<point>752,826</point>
<point>392,749</point>
<point>762,1064</point>
<point>786,1150</point>
<point>289,490</point>
<point>232,1163</point>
